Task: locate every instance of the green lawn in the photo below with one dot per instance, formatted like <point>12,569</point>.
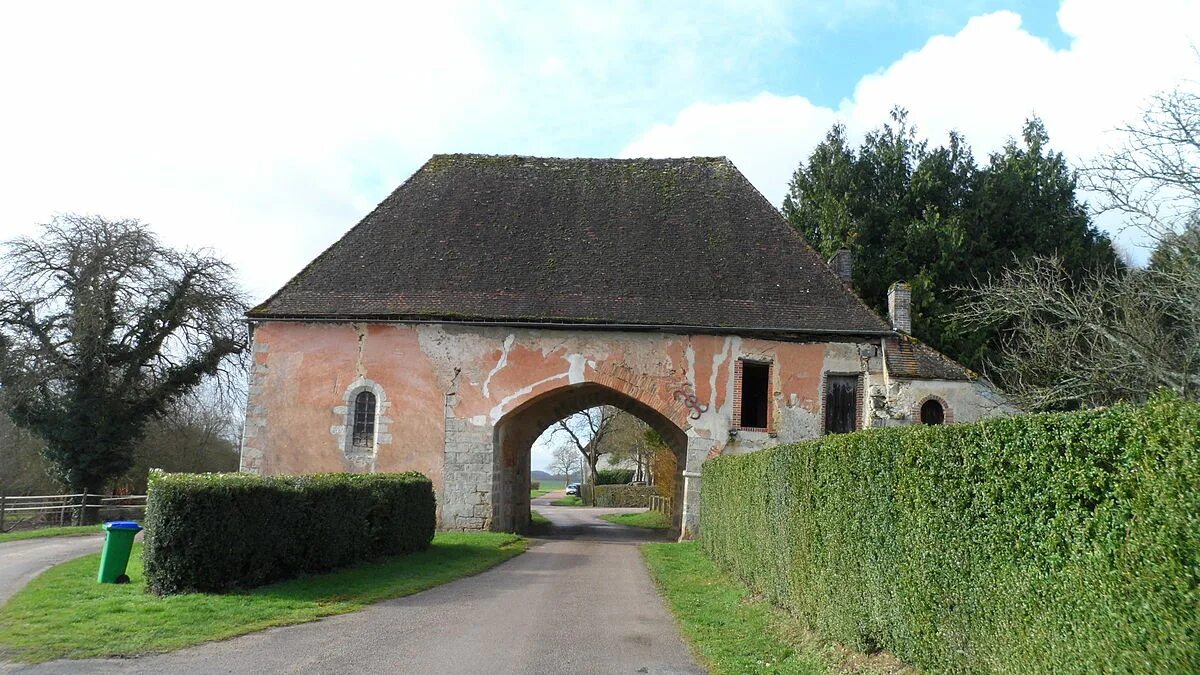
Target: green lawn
<point>71,531</point>
<point>569,500</point>
<point>733,632</point>
<point>64,613</point>
<point>538,519</point>
<point>651,520</point>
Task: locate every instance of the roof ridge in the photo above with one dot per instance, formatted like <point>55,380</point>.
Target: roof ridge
<point>509,155</point>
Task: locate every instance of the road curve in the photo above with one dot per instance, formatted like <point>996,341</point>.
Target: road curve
<point>579,601</point>
<point>21,561</point>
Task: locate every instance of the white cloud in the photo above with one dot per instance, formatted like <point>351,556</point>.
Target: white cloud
<point>759,135</point>
<point>983,81</point>
<point>243,127</point>
<point>265,130</point>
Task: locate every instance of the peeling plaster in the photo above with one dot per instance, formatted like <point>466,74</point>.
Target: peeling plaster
<point>718,361</point>
<point>577,369</point>
<point>498,410</point>
<point>443,420</point>
<point>508,343</point>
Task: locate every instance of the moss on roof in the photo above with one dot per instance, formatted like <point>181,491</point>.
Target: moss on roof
<point>508,238</point>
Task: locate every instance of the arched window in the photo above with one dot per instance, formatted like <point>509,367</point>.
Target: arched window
<point>364,421</point>
<point>932,412</point>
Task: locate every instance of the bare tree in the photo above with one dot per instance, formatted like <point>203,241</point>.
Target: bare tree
<point>22,471</point>
<point>1115,336</point>
<point>102,328</point>
<point>564,461</point>
<point>1118,335</point>
<point>196,434</point>
<point>626,443</point>
<point>585,431</point>
<point>1153,177</point>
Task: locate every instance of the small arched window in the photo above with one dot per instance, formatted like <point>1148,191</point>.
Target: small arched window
<point>932,412</point>
<point>364,421</point>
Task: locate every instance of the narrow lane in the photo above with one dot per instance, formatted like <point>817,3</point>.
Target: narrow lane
<point>579,601</point>
<point>21,561</point>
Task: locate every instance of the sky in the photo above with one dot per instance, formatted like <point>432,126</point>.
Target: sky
<point>265,130</point>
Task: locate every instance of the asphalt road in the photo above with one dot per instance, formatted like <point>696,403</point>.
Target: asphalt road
<point>579,601</point>
<point>23,560</point>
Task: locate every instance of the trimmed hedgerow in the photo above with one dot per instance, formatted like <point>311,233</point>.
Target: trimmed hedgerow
<point>217,532</point>
<point>1044,543</point>
<point>614,476</point>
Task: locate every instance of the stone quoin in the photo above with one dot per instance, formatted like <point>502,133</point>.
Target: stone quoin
<point>490,296</point>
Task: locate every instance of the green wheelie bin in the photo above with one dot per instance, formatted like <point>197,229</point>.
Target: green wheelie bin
<point>118,542</point>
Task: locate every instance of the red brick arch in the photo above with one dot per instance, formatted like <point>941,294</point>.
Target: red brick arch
<point>947,411</point>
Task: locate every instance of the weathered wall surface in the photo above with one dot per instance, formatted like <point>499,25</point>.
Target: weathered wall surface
<point>898,401</point>
<point>443,389</point>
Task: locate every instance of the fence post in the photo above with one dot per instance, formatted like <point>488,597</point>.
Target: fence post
<point>1,511</point>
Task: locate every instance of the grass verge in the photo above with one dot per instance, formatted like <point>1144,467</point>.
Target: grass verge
<point>651,520</point>
<point>64,613</point>
<point>569,500</point>
<point>70,531</point>
<point>539,525</point>
<point>733,632</point>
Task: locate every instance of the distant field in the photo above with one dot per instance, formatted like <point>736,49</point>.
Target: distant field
<point>545,487</point>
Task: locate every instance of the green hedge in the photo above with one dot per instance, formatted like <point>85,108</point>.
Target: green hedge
<point>614,496</point>
<point>216,532</point>
<point>1045,543</point>
<point>614,476</point>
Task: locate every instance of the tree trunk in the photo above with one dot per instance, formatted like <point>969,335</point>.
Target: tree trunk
<point>593,459</point>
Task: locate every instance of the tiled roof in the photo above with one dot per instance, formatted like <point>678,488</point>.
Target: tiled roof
<point>910,359</point>
<point>652,242</point>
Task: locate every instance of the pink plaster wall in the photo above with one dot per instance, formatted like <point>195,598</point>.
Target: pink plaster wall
<point>309,367</point>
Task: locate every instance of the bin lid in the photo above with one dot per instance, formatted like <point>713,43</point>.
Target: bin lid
<point>122,525</point>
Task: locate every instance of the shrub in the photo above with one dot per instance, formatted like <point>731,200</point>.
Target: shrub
<point>614,476</point>
<point>215,532</point>
<point>614,496</point>
<point>535,485</point>
<point>1045,543</point>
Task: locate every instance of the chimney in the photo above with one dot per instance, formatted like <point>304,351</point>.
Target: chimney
<point>899,306</point>
<point>842,264</point>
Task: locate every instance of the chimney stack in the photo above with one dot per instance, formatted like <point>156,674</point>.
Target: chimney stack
<point>842,264</point>
<point>900,306</point>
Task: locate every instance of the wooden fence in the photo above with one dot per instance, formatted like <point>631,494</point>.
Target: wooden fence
<point>661,504</point>
<point>47,510</point>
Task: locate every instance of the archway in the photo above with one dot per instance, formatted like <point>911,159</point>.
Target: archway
<point>517,430</point>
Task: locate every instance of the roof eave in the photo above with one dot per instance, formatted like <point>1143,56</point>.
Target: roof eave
<point>575,324</point>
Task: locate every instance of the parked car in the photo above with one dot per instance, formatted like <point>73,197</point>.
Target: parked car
<point>573,489</point>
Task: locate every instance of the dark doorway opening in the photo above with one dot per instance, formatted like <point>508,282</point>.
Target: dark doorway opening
<point>756,379</point>
<point>932,412</point>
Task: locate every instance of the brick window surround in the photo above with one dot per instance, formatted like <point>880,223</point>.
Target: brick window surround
<point>947,411</point>
<point>737,393</point>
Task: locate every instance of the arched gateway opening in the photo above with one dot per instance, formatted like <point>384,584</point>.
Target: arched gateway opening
<point>518,429</point>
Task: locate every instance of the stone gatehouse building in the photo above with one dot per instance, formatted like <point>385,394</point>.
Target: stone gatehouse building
<point>489,296</point>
